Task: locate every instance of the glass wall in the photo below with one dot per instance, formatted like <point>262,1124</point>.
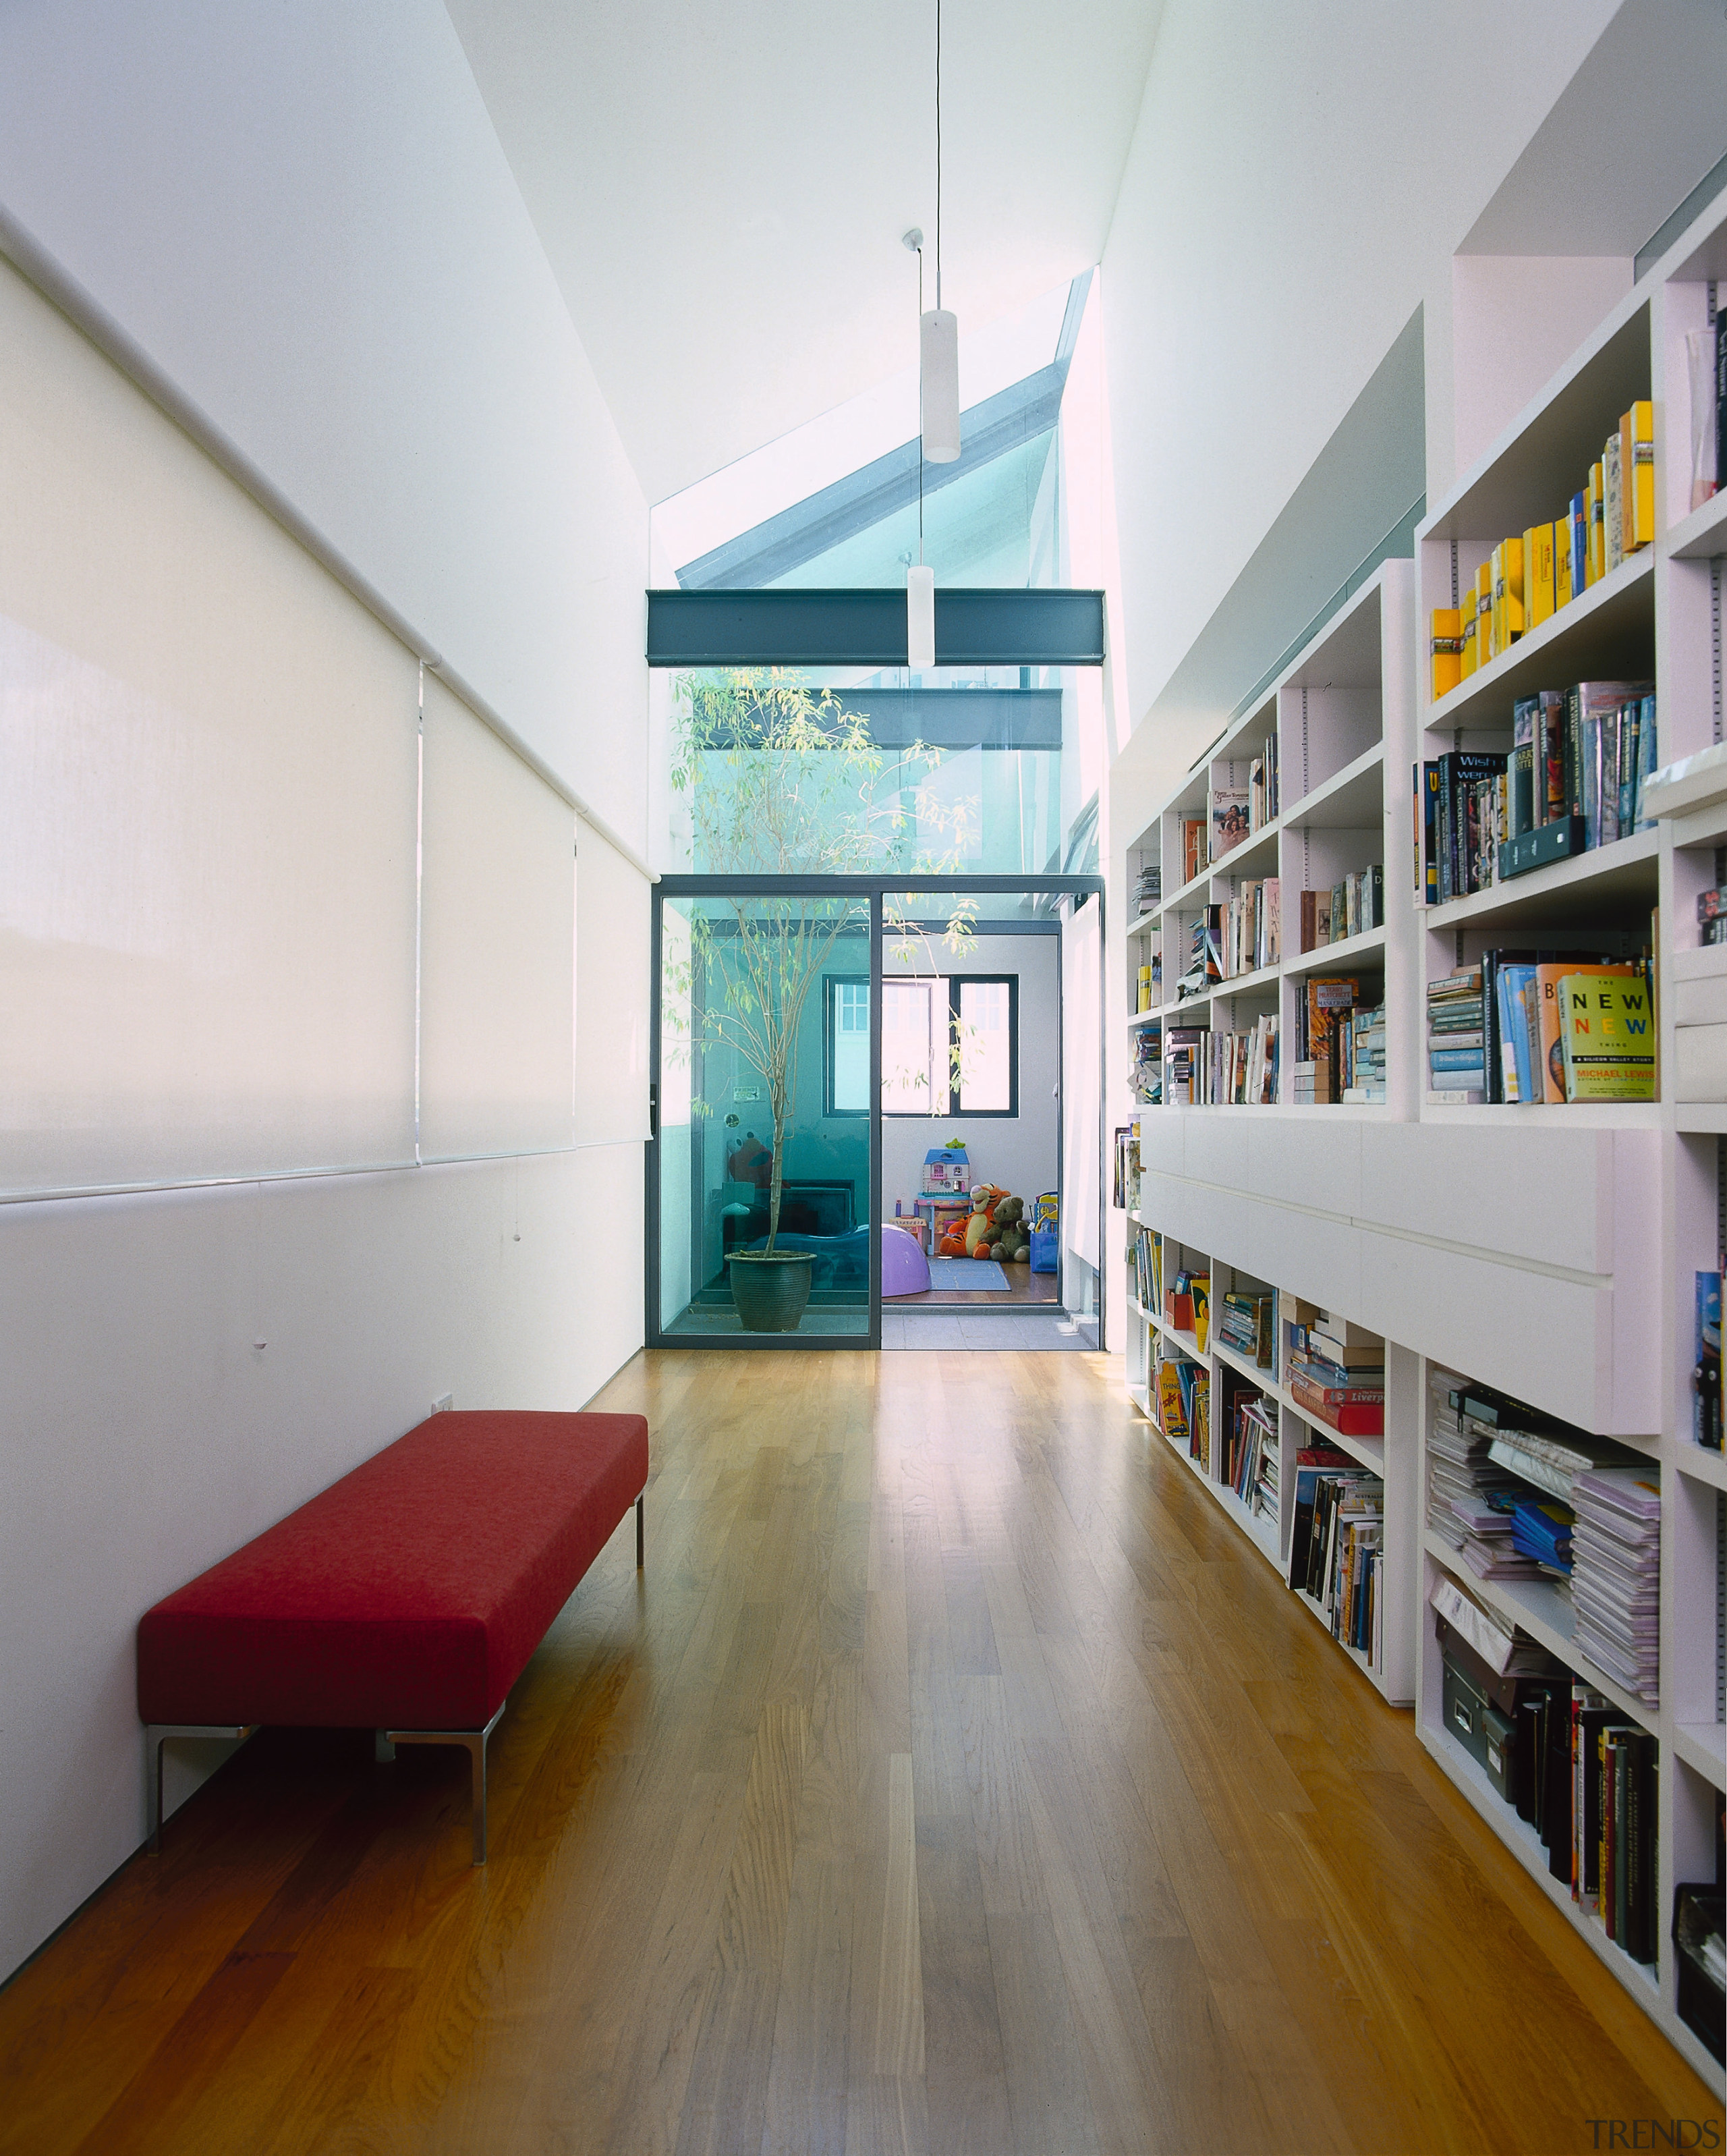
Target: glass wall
<point>846,770</point>
<point>763,1126</point>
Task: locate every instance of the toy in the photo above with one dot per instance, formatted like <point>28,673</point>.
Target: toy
<point>1012,1243</point>
<point>1045,1240</point>
<point>980,1229</point>
<point>947,1170</point>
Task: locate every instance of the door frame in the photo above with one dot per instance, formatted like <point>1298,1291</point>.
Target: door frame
<point>865,889</point>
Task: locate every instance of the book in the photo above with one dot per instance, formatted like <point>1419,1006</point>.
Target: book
<point>1172,1408</point>
<point>1514,986</point>
<point>1538,573</point>
<point>1612,507</point>
<point>1339,1408</point>
<point>1607,1034</point>
<point>1706,1365</point>
<point>1578,577</point>
<point>1598,524</point>
<point>1229,823</point>
<point>1548,977</point>
<point>1637,456</point>
<point>1325,997</point>
<point>1445,649</point>
<point>1506,613</point>
<point>1561,561</point>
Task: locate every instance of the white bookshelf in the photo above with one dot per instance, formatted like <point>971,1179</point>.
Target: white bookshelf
<point>1152,1338</point>
<point>1547,1251</point>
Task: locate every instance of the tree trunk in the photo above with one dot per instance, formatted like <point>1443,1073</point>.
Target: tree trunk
<point>776,1105</point>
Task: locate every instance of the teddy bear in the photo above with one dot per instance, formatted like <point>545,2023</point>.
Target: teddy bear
<point>1012,1243</point>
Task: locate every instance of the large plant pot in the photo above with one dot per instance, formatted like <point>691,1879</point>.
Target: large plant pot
<point>771,1290</point>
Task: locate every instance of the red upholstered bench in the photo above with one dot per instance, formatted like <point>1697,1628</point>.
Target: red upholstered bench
<point>406,1599</point>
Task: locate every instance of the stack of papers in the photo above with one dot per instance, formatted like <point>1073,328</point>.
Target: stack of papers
<point>1461,1477</point>
<point>1615,1575</point>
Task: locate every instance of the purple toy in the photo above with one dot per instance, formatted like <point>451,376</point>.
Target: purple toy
<point>906,1271</point>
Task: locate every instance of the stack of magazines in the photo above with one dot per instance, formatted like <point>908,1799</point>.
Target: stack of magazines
<point>1462,1479</point>
<point>1615,1575</point>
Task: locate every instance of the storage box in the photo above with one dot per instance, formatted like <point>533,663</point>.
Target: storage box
<point>1499,1752</point>
<point>1466,1709</point>
<point>1697,1912</point>
<point>1548,842</point>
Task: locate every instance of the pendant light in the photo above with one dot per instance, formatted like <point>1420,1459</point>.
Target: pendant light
<point>920,579</point>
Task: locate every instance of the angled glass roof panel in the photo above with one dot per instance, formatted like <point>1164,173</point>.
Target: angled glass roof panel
<point>859,527</point>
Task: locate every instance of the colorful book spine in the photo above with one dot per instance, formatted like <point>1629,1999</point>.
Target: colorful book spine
<point>1447,650</point>
<point>1538,573</point>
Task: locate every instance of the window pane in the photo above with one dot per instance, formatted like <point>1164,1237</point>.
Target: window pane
<point>849,1048</point>
<point>912,1082</point>
<point>985,1049</point>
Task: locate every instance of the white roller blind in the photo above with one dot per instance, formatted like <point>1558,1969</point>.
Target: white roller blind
<point>207,808</point>
<point>612,993</point>
<point>498,944</point>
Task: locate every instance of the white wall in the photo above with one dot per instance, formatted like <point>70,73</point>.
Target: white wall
<point>298,220</point>
<point>1018,1151</point>
<point>146,1434</point>
<point>1299,180</point>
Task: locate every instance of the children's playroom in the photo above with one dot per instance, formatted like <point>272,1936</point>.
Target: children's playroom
<point>971,1125</point>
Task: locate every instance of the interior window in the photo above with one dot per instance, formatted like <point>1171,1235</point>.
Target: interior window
<point>847,1048</point>
<point>929,1024</point>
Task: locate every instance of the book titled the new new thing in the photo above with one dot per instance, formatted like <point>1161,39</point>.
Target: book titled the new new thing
<point>1607,1038</point>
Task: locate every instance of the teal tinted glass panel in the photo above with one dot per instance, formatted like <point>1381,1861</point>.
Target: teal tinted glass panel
<point>782,770</point>
<point>764,1020</point>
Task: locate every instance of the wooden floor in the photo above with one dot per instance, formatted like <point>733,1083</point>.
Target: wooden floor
<point>954,1779</point>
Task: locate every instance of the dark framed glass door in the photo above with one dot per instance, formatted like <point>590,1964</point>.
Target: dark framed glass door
<point>769,1082</point>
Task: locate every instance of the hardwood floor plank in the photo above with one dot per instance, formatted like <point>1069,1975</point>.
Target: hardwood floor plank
<point>1046,2096</point>
<point>149,2111</point>
<point>806,2080</point>
<point>895,2023</point>
<point>725,2098</point>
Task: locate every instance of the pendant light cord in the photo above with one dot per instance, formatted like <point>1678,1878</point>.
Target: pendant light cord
<point>920,415</point>
<point>938,156</point>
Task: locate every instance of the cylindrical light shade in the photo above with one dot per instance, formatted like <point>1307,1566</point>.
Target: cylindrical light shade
<point>940,354</point>
<point>920,615</point>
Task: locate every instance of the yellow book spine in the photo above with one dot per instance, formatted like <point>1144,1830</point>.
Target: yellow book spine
<point>1561,530</point>
<point>1446,649</point>
<point>1538,573</point>
<point>1496,601</point>
<point>1639,480</point>
<point>1510,593</point>
<point>1466,658</point>
<point>1483,613</point>
<point>1595,560</point>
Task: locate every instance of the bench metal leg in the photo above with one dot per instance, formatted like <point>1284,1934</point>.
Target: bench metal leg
<point>639,1530</point>
<point>156,1735</point>
<point>475,1740</point>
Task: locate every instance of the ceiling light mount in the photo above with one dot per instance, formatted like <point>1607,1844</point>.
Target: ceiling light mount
<point>939,407</point>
